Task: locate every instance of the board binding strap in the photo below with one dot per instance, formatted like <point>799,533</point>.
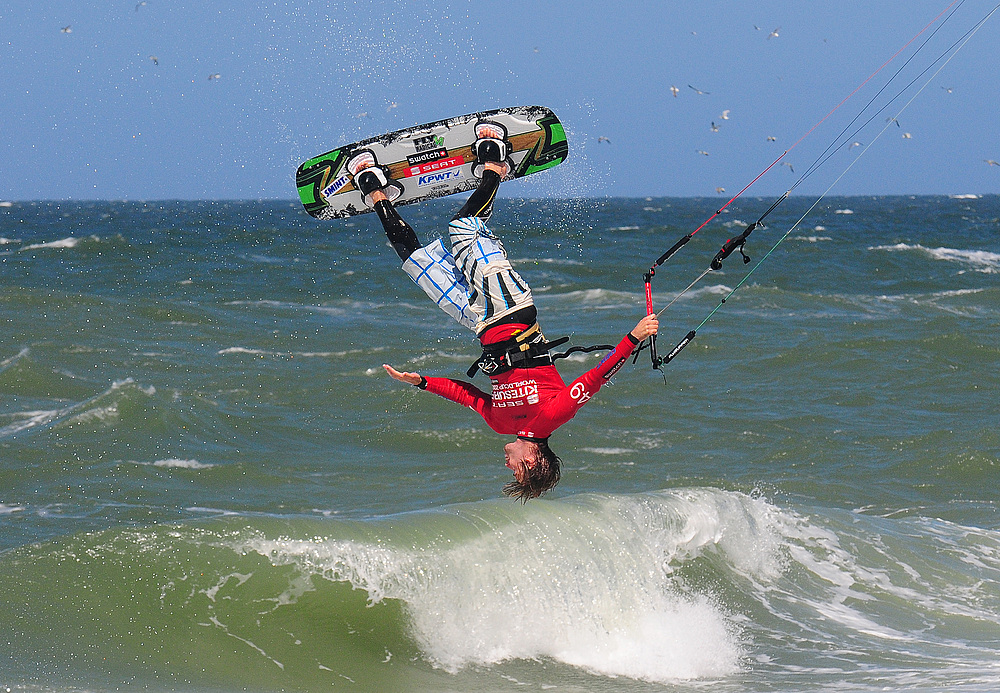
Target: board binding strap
<point>432,160</point>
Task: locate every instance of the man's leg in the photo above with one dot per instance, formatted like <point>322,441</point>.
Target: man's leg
<point>496,291</point>
<point>432,267</point>
<point>371,182</point>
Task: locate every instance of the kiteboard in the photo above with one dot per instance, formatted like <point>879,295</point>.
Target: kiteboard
<point>432,160</point>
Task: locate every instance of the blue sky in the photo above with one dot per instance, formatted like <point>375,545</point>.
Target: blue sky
<point>89,114</point>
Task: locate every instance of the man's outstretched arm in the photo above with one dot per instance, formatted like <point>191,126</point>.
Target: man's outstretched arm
<point>458,391</point>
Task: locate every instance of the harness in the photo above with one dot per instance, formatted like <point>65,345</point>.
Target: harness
<point>526,349</point>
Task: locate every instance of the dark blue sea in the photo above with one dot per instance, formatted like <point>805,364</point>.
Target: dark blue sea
<point>208,483</point>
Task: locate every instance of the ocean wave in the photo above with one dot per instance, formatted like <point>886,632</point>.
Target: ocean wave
<point>174,463</point>
<point>253,351</point>
<point>687,584</point>
<point>69,242</point>
<point>980,260</point>
<point>546,261</point>
<point>595,298</point>
<point>11,360</point>
<point>101,408</point>
<point>595,580</point>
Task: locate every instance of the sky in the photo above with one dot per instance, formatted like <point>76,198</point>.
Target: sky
<point>223,99</point>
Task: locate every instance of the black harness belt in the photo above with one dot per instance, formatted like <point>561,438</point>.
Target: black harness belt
<point>526,349</point>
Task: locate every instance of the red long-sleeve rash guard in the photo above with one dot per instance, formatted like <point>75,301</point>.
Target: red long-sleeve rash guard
<point>533,402</point>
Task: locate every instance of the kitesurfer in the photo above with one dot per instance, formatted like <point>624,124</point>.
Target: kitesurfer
<point>475,284</point>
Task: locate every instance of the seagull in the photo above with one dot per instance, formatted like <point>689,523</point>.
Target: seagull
<point>674,90</point>
<point>140,5</point>
<point>725,114</point>
<point>156,61</point>
<point>214,76</point>
<point>603,139</point>
<point>702,151</point>
<point>772,138</point>
<point>715,128</point>
<point>392,105</point>
<point>853,145</point>
<point>699,91</point>
<point>363,114</point>
<point>773,34</point>
<point>720,190</point>
<point>785,163</point>
<point>947,89</point>
<point>890,119</point>
<point>991,162</point>
<point>67,29</point>
<point>907,136</point>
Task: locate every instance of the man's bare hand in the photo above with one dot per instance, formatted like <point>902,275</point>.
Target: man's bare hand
<point>408,378</point>
<point>646,327</point>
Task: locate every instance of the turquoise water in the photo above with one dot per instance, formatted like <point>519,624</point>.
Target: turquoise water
<point>207,483</point>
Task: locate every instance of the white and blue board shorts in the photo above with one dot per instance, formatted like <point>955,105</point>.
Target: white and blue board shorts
<point>474,283</point>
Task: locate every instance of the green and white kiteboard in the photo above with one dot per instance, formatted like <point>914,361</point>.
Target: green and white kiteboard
<point>431,160</point>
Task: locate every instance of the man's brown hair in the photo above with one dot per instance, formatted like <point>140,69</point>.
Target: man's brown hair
<point>538,479</point>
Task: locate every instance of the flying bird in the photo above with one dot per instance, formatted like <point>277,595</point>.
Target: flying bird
<point>67,29</point>
<point>392,105</point>
<point>699,91</point>
<point>674,90</point>
<point>947,89</point>
<point>725,114</point>
<point>603,139</point>
<point>891,119</point>
<point>703,152</point>
<point>156,61</point>
<point>715,128</point>
<point>991,162</point>
<point>907,136</point>
<point>214,76</point>
<point>785,163</point>
<point>772,138</point>
<point>140,5</point>
<point>773,34</point>
<point>853,145</point>
<point>720,190</point>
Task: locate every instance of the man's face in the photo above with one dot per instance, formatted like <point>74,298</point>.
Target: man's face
<point>521,455</point>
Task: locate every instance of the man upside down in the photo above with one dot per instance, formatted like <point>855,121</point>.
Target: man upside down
<point>476,284</point>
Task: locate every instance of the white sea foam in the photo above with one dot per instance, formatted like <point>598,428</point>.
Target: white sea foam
<point>22,421</point>
<point>11,360</point>
<point>100,408</point>
<point>546,261</point>
<point>609,451</point>
<point>174,463</point>
<point>70,242</point>
<point>593,581</point>
<point>979,260</point>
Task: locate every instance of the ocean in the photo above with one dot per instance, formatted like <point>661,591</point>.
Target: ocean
<point>208,483</point>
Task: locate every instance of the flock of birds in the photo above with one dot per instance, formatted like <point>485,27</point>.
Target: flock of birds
<point>714,127</point>
<point>156,61</point>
